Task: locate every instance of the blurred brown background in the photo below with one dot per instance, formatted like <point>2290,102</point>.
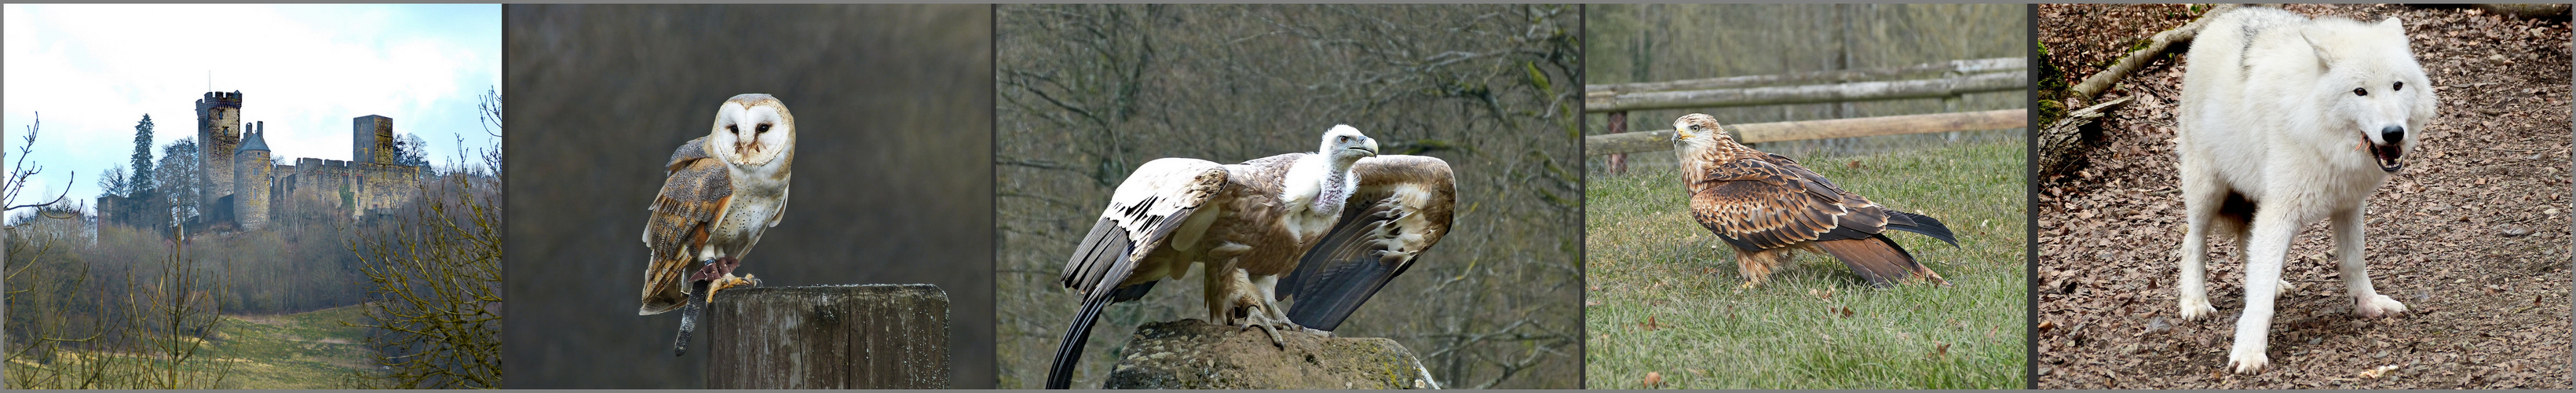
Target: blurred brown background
<point>1088,92</point>
<point>894,112</point>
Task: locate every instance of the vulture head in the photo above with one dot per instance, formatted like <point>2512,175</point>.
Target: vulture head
<point>1345,144</point>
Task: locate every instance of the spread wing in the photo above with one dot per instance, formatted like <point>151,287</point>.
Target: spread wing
<point>693,198</point>
<point>1401,208</point>
<point>1159,198</point>
<point>1148,206</point>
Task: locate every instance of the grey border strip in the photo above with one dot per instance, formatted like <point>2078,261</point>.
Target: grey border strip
<point>2030,209</point>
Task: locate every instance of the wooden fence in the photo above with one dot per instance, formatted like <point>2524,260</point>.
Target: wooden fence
<point>1950,79</point>
<point>828,337</point>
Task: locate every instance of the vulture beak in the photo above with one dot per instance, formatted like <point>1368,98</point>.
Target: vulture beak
<point>1369,147</point>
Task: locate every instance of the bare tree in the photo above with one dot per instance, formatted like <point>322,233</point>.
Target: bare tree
<point>436,315</point>
<point>19,172</point>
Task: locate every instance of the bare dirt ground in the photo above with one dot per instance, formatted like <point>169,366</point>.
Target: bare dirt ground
<point>2472,235</point>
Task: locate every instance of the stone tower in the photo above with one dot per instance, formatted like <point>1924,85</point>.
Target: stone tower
<point>251,173</point>
<point>373,139</point>
<point>218,134</point>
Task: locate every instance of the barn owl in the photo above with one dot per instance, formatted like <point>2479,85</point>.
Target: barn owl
<point>723,191</point>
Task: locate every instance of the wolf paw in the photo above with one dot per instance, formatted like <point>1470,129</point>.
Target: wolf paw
<point>2196,307</point>
<point>2248,362</point>
<point>2377,305</point>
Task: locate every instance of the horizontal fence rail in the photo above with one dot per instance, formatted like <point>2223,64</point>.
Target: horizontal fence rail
<point>1638,142</point>
<point>1974,66</point>
<point>1809,94</point>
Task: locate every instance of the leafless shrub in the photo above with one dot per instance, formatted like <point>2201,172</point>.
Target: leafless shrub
<point>435,313</point>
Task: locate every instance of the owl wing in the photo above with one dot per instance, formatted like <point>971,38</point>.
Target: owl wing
<point>693,198</point>
<point>1401,208</point>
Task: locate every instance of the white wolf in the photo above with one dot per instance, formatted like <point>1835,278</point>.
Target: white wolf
<point>2286,121</point>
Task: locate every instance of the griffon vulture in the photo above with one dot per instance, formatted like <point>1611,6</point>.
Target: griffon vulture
<point>1339,223</point>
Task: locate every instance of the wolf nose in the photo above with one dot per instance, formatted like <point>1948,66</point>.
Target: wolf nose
<point>2392,134</point>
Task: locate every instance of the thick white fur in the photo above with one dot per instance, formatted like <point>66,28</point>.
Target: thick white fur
<point>2268,112</point>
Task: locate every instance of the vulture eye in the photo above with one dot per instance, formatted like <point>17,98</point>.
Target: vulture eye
<point>2359,92</point>
<point>2398,86</point>
<point>764,128</point>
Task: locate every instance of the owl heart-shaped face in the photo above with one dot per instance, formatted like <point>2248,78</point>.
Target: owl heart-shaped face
<point>752,129</point>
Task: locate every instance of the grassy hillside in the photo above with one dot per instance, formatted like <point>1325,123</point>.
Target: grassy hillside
<point>310,350</point>
<point>1663,300</point>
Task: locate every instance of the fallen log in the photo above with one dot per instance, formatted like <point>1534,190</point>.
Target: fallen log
<point>2062,143</point>
<point>2156,46</point>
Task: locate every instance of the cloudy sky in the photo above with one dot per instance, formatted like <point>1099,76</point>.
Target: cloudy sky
<point>93,71</point>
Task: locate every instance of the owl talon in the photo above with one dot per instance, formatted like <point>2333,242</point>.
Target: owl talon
<point>729,281</point>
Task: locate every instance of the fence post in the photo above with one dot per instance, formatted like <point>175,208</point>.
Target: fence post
<point>875,336</point>
<point>1618,124</point>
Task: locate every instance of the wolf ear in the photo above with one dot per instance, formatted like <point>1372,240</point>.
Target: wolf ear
<point>2310,34</point>
<point>2393,24</point>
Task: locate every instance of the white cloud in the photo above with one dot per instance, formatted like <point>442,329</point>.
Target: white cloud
<point>94,70</point>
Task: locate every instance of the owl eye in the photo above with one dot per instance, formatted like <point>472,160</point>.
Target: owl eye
<point>764,128</point>
<point>2359,92</point>
<point>2398,86</point>
<point>733,128</point>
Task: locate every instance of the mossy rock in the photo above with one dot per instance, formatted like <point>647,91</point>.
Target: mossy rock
<point>1194,354</point>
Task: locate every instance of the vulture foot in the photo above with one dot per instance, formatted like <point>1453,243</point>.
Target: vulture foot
<point>1275,339</point>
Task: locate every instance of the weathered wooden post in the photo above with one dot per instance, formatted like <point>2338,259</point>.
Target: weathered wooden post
<point>1618,124</point>
<point>875,336</point>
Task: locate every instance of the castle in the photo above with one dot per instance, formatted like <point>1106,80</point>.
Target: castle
<point>246,190</point>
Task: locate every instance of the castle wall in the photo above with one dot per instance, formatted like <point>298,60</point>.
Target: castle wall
<point>247,189</point>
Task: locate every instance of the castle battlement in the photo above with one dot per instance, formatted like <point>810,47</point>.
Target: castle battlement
<point>246,189</point>
<point>220,99</point>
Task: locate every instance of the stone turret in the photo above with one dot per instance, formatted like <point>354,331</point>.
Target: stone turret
<point>218,134</point>
<point>372,139</point>
<point>251,177</point>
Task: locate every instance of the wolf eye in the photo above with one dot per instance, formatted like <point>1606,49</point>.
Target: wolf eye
<point>2359,92</point>
<point>2398,86</point>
